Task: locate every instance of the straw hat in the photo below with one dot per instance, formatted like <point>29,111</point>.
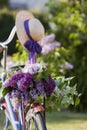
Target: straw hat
<point>36,29</point>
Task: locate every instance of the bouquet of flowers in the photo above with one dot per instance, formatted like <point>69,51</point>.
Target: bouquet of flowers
<point>33,83</point>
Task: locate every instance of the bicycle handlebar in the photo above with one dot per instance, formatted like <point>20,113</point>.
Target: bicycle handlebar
<point>13,31</point>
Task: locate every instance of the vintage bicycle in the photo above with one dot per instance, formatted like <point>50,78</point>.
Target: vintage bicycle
<point>28,116</point>
<point>24,85</point>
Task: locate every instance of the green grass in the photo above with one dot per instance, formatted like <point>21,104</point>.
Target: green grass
<point>66,121</point>
<point>60,121</point>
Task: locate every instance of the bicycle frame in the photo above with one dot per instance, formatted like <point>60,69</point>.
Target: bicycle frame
<point>17,124</point>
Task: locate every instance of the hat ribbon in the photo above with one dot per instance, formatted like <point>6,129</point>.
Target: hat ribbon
<point>31,45</point>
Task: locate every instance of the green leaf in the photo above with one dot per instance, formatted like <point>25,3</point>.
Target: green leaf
<point>5,91</point>
<point>73,90</point>
<point>0,84</point>
<point>77,101</point>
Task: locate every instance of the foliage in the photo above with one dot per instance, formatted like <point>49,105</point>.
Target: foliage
<point>3,3</point>
<point>63,94</point>
<point>69,22</point>
<point>7,21</point>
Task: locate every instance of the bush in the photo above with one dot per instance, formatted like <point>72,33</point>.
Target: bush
<point>69,22</point>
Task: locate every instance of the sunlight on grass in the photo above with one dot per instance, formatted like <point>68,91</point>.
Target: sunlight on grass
<point>73,125</point>
<point>60,121</point>
<point>66,121</point>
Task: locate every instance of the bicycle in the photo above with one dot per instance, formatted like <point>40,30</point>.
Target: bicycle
<point>29,115</point>
<point>34,112</point>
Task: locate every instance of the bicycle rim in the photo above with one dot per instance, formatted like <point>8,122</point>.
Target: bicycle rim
<point>35,121</point>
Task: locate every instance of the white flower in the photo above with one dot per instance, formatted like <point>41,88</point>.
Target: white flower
<point>67,65</point>
<point>57,91</point>
<point>33,68</point>
<point>48,44</point>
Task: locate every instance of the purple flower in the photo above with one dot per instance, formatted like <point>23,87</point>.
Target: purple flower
<point>33,93</point>
<point>23,86</point>
<point>26,97</point>
<point>40,88</point>
<point>16,93</point>
<point>49,85</point>
<point>25,82</point>
<point>6,83</point>
<point>15,103</point>
<point>15,99</point>
<point>14,79</point>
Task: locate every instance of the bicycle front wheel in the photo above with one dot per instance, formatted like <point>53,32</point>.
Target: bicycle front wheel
<point>34,121</point>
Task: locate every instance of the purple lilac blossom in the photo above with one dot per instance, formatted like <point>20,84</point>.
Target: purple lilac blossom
<point>28,89</point>
<point>25,82</point>
<point>26,97</point>
<point>14,79</point>
<point>49,85</point>
<point>15,103</point>
<point>15,99</point>
<point>33,93</point>
<point>33,68</point>
<point>48,44</point>
<point>15,93</point>
<point>40,88</point>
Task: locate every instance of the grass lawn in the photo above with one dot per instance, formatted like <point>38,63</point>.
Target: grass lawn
<point>60,121</point>
<point>66,121</point>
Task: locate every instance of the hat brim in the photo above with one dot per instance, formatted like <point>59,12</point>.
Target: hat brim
<point>20,18</point>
